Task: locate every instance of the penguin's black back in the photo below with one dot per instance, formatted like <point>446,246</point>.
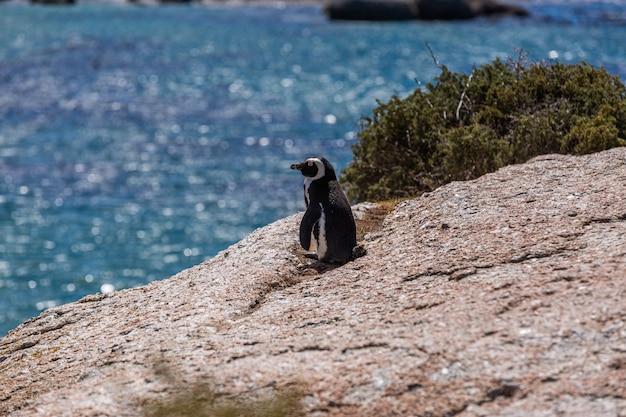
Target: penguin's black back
<point>340,226</point>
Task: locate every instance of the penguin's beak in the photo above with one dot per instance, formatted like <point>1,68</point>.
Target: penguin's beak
<point>298,166</point>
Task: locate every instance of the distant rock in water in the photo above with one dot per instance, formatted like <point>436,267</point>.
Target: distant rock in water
<point>466,9</point>
<point>418,9</point>
<point>371,9</point>
<point>57,2</point>
<point>176,1</point>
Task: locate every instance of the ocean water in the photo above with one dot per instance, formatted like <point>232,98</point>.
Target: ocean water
<point>139,141</point>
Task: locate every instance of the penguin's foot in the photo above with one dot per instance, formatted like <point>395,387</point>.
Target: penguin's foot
<point>317,267</point>
<point>358,251</point>
<point>311,255</point>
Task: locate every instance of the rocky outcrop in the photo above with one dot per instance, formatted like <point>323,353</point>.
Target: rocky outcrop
<point>371,9</point>
<point>418,9</point>
<point>466,9</point>
<point>498,296</point>
<point>54,2</point>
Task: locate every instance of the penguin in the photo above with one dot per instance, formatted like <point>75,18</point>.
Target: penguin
<point>328,219</point>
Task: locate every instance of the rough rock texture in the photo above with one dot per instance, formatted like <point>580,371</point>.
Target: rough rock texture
<point>503,296</point>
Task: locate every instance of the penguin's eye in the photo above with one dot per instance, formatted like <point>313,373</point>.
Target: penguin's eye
<point>310,163</point>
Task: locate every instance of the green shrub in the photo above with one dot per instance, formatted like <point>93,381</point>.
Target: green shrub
<point>462,126</point>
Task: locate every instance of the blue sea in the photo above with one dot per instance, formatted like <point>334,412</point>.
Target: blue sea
<point>139,141</point>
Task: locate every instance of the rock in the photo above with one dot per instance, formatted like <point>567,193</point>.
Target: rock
<point>176,1</point>
<point>466,9</point>
<point>54,2</point>
<point>494,8</point>
<point>371,9</point>
<point>446,9</point>
<point>418,9</point>
<point>484,297</point>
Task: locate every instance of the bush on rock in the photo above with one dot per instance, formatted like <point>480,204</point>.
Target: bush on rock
<point>462,126</point>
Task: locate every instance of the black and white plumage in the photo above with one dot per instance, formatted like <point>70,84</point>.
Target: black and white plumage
<point>328,218</point>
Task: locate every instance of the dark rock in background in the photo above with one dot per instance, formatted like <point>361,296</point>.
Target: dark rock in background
<point>418,9</point>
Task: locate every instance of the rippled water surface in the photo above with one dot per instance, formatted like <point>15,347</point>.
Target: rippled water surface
<point>139,141</point>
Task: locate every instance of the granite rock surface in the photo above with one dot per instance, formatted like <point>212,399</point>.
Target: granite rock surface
<point>502,296</point>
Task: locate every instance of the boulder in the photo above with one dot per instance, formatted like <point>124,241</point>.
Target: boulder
<point>495,8</point>
<point>501,296</point>
<point>466,9</point>
<point>54,2</point>
<point>371,9</point>
<point>418,9</point>
<point>446,9</point>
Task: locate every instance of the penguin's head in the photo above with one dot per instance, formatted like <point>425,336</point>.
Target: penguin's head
<point>315,168</point>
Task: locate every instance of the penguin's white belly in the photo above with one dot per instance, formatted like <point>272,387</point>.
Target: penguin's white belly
<point>322,246</point>
<point>313,246</point>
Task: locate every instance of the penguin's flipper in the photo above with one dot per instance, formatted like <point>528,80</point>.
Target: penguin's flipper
<point>311,217</point>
